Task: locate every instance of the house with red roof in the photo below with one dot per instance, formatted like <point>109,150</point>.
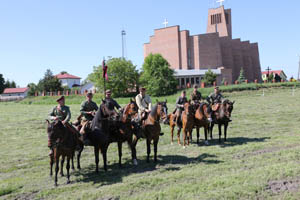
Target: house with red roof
<point>279,73</point>
<point>68,80</point>
<point>15,92</point>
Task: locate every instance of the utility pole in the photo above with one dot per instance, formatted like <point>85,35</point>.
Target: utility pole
<point>298,68</point>
<point>123,33</point>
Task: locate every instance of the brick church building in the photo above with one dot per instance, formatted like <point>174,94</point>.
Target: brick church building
<point>192,55</point>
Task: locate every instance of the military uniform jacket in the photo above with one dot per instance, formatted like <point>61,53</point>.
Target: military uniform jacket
<point>196,96</point>
<point>143,102</point>
<point>111,104</point>
<point>180,101</point>
<point>63,114</point>
<point>88,106</point>
<point>215,98</point>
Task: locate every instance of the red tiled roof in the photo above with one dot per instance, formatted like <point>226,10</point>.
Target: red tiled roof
<point>14,90</point>
<point>66,76</point>
<point>272,71</point>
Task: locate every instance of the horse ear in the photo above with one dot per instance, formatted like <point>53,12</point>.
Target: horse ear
<point>103,101</point>
<point>166,100</point>
<point>233,102</point>
<point>48,122</point>
<point>130,100</point>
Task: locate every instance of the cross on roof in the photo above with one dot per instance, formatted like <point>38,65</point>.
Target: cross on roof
<point>166,22</point>
<point>221,2</point>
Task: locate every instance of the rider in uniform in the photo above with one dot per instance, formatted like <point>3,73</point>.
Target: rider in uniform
<point>196,95</point>
<point>111,103</point>
<point>60,112</point>
<point>144,104</point>
<point>88,109</point>
<point>181,100</point>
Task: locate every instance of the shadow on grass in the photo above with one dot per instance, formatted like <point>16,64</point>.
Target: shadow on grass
<point>236,141</point>
<point>116,174</point>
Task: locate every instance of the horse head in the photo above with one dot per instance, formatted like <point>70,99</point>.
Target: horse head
<point>55,130</point>
<point>163,111</point>
<point>228,107</point>
<point>131,109</point>
<point>188,108</point>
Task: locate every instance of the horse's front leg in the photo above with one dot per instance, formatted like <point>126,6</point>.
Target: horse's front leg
<point>104,155</point>
<point>148,149</point>
<point>120,153</point>
<point>96,152</point>
<point>178,136</point>
<point>72,160</point>
<point>220,131</point>
<point>172,133</point>
<point>155,142</point>
<point>68,166</point>
<point>51,164</point>
<point>225,130</point>
<point>62,165</point>
<point>56,169</point>
<point>133,150</point>
<point>78,157</point>
<point>198,134</point>
<point>211,130</point>
<point>206,129</point>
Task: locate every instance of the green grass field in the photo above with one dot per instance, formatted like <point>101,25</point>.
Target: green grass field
<point>260,160</point>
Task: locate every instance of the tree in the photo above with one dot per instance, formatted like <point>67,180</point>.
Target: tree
<point>157,76</point>
<point>122,77</point>
<point>49,83</point>
<point>209,77</point>
<point>241,78</point>
<point>270,77</point>
<point>2,83</point>
<point>32,89</point>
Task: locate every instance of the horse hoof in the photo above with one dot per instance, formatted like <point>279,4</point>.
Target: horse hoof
<point>135,162</point>
<point>172,143</point>
<point>55,184</point>
<point>68,182</point>
<point>184,147</point>
<point>206,143</point>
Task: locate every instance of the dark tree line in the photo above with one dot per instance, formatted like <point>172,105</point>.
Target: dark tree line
<point>6,84</point>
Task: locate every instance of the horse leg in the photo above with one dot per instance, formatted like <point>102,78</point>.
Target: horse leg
<point>133,150</point>
<point>68,167</point>
<point>62,165</point>
<point>198,134</point>
<point>206,128</point>
<point>96,152</point>
<point>184,137</point>
<point>155,149</point>
<point>211,130</point>
<point>51,164</point>
<point>56,169</point>
<point>172,133</point>
<point>191,135</point>
<point>72,160</point>
<point>120,153</point>
<point>178,136</point>
<point>78,157</point>
<point>225,130</point>
<point>148,149</point>
<point>220,131</point>
<point>104,155</point>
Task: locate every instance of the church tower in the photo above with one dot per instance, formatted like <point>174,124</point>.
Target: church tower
<point>219,20</point>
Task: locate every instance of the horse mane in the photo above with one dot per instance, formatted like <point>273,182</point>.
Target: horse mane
<point>98,117</point>
<point>154,110</point>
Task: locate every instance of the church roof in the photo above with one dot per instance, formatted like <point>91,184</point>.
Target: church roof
<point>66,76</point>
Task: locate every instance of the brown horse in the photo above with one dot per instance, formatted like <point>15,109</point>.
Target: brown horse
<point>202,119</point>
<point>222,117</point>
<point>106,130</point>
<point>151,127</point>
<point>65,143</point>
<point>172,125</point>
<point>188,122</point>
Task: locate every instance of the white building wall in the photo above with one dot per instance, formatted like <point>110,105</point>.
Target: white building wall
<point>70,82</point>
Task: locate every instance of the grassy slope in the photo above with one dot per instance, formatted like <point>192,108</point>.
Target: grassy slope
<point>263,145</point>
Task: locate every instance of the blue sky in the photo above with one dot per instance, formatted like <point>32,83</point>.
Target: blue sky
<point>74,35</point>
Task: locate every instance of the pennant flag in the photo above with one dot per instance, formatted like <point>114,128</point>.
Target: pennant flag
<point>104,70</point>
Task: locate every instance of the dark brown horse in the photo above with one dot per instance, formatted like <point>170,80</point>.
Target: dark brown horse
<point>188,123</point>
<point>107,129</point>
<point>222,117</point>
<point>151,127</point>
<point>202,119</point>
<point>64,145</point>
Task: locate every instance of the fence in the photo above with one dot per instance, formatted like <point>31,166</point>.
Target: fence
<point>10,98</point>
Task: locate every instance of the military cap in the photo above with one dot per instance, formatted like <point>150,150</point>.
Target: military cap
<point>107,92</point>
<point>60,98</point>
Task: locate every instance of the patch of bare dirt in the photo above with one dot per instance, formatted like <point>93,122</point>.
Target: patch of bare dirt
<point>280,186</point>
<point>26,196</point>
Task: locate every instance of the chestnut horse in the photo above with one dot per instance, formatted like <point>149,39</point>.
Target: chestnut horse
<point>188,123</point>
<point>202,119</point>
<point>222,117</point>
<point>64,145</point>
<point>151,127</point>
